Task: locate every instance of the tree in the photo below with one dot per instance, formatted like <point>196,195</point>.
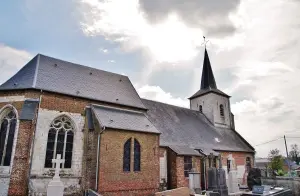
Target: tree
<point>294,153</point>
<point>276,160</point>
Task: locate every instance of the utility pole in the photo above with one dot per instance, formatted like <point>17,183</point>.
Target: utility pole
<point>287,154</point>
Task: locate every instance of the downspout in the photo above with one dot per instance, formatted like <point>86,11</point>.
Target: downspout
<point>33,139</point>
<point>98,157</point>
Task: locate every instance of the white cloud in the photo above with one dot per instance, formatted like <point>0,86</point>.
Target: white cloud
<point>111,61</point>
<point>157,94</point>
<point>262,53</point>
<point>11,60</point>
<point>104,50</point>
<point>124,22</point>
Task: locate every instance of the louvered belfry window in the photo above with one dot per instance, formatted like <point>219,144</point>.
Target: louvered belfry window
<point>60,141</point>
<point>222,110</point>
<point>7,132</point>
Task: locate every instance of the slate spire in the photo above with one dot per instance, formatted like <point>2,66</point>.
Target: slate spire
<point>208,79</point>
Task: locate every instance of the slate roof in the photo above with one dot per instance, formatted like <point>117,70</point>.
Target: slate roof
<point>208,79</point>
<point>123,119</point>
<point>208,82</point>
<point>182,127</point>
<point>54,75</point>
<point>205,91</point>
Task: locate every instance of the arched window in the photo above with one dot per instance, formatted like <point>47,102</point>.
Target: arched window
<point>222,110</point>
<point>200,108</point>
<point>126,156</point>
<point>248,163</point>
<point>8,124</point>
<point>60,141</point>
<point>137,156</point>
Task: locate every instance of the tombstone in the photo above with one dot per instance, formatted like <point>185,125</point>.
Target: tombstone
<point>56,187</point>
<point>232,176</point>
<point>254,178</point>
<point>194,181</point>
<point>217,179</point>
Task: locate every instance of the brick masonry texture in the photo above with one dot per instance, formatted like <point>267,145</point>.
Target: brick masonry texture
<point>113,180</point>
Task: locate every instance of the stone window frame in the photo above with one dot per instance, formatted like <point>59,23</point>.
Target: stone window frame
<point>187,165</point>
<point>74,128</point>
<point>6,170</point>
<point>136,166</point>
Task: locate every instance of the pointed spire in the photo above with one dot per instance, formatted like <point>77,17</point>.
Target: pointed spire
<point>208,79</point>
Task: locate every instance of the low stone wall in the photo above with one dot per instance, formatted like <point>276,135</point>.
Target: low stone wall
<point>183,191</point>
<point>292,183</point>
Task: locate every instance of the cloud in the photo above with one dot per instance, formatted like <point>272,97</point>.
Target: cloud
<point>104,50</point>
<point>253,48</point>
<point>11,60</point>
<point>210,16</point>
<point>158,94</point>
<point>111,61</point>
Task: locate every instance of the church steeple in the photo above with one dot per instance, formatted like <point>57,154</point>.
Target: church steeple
<point>208,79</point>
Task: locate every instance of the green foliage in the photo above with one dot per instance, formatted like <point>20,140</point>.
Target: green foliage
<point>281,173</point>
<point>276,161</point>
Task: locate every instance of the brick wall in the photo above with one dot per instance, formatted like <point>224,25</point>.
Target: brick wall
<point>112,179</point>
<point>19,173</point>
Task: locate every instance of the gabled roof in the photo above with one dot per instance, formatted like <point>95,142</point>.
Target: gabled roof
<point>54,75</point>
<point>185,127</point>
<point>206,91</point>
<point>123,119</point>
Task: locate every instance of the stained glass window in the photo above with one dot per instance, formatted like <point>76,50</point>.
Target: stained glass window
<point>60,141</point>
<point>7,132</point>
<point>137,156</point>
<point>126,156</point>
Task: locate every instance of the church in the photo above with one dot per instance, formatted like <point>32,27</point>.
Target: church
<point>112,141</point>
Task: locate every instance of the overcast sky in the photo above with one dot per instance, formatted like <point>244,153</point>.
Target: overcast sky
<point>254,48</point>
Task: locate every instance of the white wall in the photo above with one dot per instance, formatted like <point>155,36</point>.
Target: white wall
<point>163,167</point>
<point>39,174</point>
<point>211,108</point>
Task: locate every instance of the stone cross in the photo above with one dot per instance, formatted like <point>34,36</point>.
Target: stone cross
<point>57,161</point>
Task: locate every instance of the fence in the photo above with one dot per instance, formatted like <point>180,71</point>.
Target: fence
<point>287,182</point>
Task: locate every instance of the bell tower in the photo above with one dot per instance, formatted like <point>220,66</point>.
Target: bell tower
<point>211,101</point>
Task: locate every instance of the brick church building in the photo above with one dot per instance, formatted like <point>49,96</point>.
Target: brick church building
<point>112,141</point>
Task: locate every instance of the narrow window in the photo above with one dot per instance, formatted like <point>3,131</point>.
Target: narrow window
<point>188,165</point>
<point>137,156</point>
<point>7,132</point>
<point>60,141</point>
<point>126,156</point>
<point>200,108</point>
<point>222,110</point>
<point>248,163</point>
<point>228,165</point>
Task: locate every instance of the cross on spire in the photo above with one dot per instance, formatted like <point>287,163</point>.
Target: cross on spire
<point>204,42</point>
<point>57,162</point>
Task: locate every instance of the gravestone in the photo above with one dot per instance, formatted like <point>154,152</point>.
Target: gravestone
<point>217,178</point>
<point>232,176</point>
<point>56,187</point>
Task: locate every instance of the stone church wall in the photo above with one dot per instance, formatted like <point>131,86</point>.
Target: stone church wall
<point>41,176</point>
<point>210,107</point>
<point>112,179</point>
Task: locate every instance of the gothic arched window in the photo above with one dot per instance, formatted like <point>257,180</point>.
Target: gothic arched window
<point>8,124</point>
<point>60,141</point>
<point>137,156</point>
<point>222,110</point>
<point>126,156</point>
<point>200,108</point>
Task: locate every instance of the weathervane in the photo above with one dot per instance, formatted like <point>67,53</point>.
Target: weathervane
<point>204,41</point>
